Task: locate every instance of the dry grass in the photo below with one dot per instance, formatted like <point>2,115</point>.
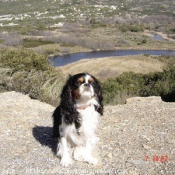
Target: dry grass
<point>57,49</point>
<point>112,66</point>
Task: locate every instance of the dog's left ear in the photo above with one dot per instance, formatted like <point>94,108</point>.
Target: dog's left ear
<point>99,95</point>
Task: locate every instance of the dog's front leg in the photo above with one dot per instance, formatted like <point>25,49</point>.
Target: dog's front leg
<point>64,152</point>
<point>87,153</point>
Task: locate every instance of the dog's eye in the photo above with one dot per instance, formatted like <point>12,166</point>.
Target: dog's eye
<point>78,83</point>
<point>91,81</point>
<point>80,80</point>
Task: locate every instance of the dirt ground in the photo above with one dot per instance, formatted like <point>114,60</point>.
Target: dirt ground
<point>135,138</point>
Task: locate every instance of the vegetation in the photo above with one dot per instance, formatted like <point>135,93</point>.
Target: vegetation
<point>131,84</point>
<point>24,60</point>
<point>28,43</point>
<point>73,26</point>
<point>86,25</point>
<point>26,17</point>
<point>131,28</point>
<point>30,73</point>
<point>73,37</point>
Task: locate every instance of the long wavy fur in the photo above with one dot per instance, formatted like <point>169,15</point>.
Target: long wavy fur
<point>67,107</point>
<point>99,94</point>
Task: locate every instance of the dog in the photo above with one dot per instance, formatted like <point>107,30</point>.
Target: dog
<point>75,120</point>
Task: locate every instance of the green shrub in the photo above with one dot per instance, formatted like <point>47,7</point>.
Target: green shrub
<point>30,73</point>
<point>37,84</point>
<point>131,27</point>
<point>23,59</point>
<point>130,84</point>
<point>144,41</point>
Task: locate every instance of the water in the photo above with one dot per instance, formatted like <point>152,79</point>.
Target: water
<point>157,37</point>
<point>70,58</point>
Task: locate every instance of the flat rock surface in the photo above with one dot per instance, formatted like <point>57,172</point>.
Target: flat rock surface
<point>135,138</point>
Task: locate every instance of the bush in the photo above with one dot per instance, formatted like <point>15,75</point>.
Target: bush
<point>144,41</point>
<point>22,59</point>
<point>131,28</point>
<point>30,73</point>
<point>37,84</point>
<point>130,84</point>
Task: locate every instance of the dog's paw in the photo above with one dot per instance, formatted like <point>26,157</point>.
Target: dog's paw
<point>66,161</point>
<point>77,153</point>
<point>93,161</point>
<point>59,154</point>
<point>94,140</point>
<point>97,139</point>
<point>59,151</point>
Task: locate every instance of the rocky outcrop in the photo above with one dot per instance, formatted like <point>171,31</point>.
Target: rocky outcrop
<point>135,138</point>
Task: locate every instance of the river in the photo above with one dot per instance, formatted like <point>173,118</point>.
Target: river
<point>70,58</point>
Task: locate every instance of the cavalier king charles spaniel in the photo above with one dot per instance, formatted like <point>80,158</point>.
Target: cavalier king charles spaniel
<point>75,119</point>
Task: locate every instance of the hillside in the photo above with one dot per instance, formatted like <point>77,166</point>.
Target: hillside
<point>135,138</point>
<point>109,67</point>
<point>37,15</point>
<point>52,27</point>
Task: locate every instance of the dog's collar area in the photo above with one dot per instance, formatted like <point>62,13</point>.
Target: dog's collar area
<point>82,107</point>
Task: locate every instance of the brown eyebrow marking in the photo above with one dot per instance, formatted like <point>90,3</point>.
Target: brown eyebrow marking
<point>81,79</point>
<point>91,80</point>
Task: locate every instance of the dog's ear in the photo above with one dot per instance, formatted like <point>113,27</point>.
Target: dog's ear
<point>66,92</point>
<point>99,95</point>
<point>68,104</point>
<point>66,96</point>
<point>100,99</point>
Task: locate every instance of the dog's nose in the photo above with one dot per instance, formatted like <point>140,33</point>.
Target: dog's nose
<point>87,85</point>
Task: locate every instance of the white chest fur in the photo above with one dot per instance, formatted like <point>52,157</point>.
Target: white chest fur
<point>89,120</point>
